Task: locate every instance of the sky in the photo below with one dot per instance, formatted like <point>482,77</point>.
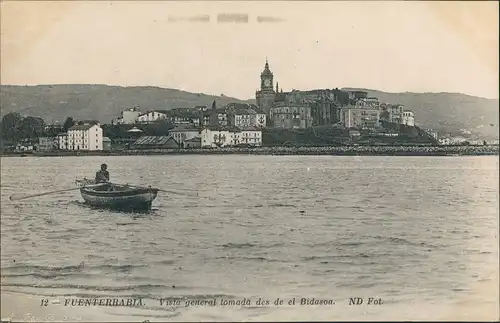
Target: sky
<point>390,46</point>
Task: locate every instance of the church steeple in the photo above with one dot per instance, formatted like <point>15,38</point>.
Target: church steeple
<point>266,79</point>
<point>277,87</point>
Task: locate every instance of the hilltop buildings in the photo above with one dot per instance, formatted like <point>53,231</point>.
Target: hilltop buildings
<point>304,109</point>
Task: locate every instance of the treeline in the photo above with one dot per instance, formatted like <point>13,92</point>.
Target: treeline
<point>14,127</point>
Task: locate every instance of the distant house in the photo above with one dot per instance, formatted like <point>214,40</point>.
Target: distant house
<point>151,116</point>
<point>155,142</point>
<point>129,116</point>
<point>85,137</point>
<point>106,143</point>
<point>183,117</point>
<point>48,143</point>
<point>181,134</point>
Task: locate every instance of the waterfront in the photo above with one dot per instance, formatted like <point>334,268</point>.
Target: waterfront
<point>409,150</point>
<point>418,232</point>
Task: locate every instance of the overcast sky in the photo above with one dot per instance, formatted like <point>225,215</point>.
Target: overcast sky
<point>390,46</point>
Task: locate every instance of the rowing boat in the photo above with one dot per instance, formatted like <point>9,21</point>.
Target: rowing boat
<point>117,196</point>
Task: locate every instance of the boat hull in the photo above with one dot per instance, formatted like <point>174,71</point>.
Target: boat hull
<point>132,199</point>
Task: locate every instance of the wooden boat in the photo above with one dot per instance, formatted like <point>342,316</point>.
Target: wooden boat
<point>117,196</point>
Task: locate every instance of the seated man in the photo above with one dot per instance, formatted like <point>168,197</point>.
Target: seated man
<point>102,176</point>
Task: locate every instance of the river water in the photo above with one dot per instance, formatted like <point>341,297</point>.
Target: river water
<point>417,234</point>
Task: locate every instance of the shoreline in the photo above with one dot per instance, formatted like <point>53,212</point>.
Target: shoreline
<point>490,150</point>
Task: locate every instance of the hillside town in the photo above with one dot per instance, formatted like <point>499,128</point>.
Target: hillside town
<point>317,117</point>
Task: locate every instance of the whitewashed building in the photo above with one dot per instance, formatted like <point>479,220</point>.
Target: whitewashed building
<point>129,116</point>
<point>219,136</point>
<point>151,116</point>
<point>62,140</point>
<point>85,137</point>
<point>248,118</point>
<point>251,136</point>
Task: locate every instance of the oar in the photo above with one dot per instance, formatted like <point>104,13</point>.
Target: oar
<point>17,198</point>
<point>166,191</point>
<point>179,193</point>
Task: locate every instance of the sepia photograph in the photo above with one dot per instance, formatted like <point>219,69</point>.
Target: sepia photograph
<point>239,161</point>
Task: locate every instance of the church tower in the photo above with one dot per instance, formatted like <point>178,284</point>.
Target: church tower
<point>266,95</point>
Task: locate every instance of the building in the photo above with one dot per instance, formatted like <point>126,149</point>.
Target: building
<point>360,117</point>
<point>219,136</point>
<point>106,143</point>
<point>151,116</point>
<point>356,95</point>
<point>193,143</point>
<point>250,136</point>
<point>323,103</point>
<point>245,115</point>
<point>222,117</point>
<point>182,134</point>
<point>155,142</point>
<point>214,116</point>
<point>291,116</point>
<point>48,143</point>
<point>183,117</point>
<point>129,116</point>
<point>53,129</point>
<point>85,137</point>
<point>408,118</point>
<point>62,141</point>
<point>266,96</point>
<point>323,112</point>
<point>433,133</point>
<point>393,112</point>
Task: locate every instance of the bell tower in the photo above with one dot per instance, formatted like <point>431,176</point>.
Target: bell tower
<point>266,95</point>
<point>266,79</point>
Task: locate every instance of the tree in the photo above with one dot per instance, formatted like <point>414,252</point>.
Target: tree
<point>384,115</point>
<point>158,128</point>
<point>31,128</point>
<point>68,123</point>
<point>10,126</point>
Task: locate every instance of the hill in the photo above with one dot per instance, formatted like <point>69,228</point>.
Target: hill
<point>447,112</point>
<point>100,102</point>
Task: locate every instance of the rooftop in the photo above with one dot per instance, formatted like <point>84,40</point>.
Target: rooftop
<point>222,128</point>
<point>81,127</point>
<point>153,140</point>
<point>250,129</point>
<point>184,128</point>
<point>195,139</point>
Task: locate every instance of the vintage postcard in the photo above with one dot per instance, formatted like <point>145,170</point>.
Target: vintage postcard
<point>249,161</point>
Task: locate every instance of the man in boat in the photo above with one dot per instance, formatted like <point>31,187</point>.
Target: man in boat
<point>102,176</point>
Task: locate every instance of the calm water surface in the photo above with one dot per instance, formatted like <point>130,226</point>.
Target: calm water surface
<point>418,232</point>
